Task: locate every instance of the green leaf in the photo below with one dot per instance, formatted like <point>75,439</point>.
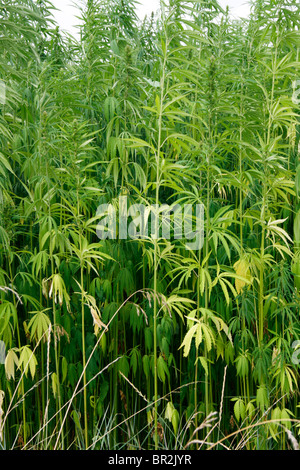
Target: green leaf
<point>27,361</point>
<point>262,398</point>
<point>39,325</point>
<point>64,368</point>
<point>162,369</point>
<point>123,366</point>
<point>239,410</point>
<point>7,311</point>
<point>204,363</point>
<point>172,415</point>
<point>186,343</point>
<point>146,366</point>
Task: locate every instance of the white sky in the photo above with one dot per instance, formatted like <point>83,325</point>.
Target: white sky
<point>66,16</point>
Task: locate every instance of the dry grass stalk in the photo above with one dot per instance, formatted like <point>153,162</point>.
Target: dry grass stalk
<point>134,387</point>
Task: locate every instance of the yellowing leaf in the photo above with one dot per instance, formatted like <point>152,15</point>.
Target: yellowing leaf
<point>58,290</point>
<point>172,415</point>
<point>98,324</point>
<point>169,411</point>
<point>187,340</point>
<point>203,361</point>
<point>54,384</point>
<point>27,359</point>
<point>11,361</point>
<point>242,268</point>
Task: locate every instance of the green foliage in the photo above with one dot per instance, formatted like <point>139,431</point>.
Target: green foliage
<point>187,107</point>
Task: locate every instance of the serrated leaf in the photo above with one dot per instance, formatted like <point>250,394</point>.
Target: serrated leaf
<point>11,361</point>
<point>239,409</point>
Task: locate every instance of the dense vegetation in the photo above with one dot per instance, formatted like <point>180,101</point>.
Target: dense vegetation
<point>143,344</point>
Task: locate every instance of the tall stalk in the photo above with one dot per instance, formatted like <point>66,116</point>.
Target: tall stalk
<point>156,248</point>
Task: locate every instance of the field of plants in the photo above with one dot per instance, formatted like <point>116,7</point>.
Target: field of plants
<point>142,343</point>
